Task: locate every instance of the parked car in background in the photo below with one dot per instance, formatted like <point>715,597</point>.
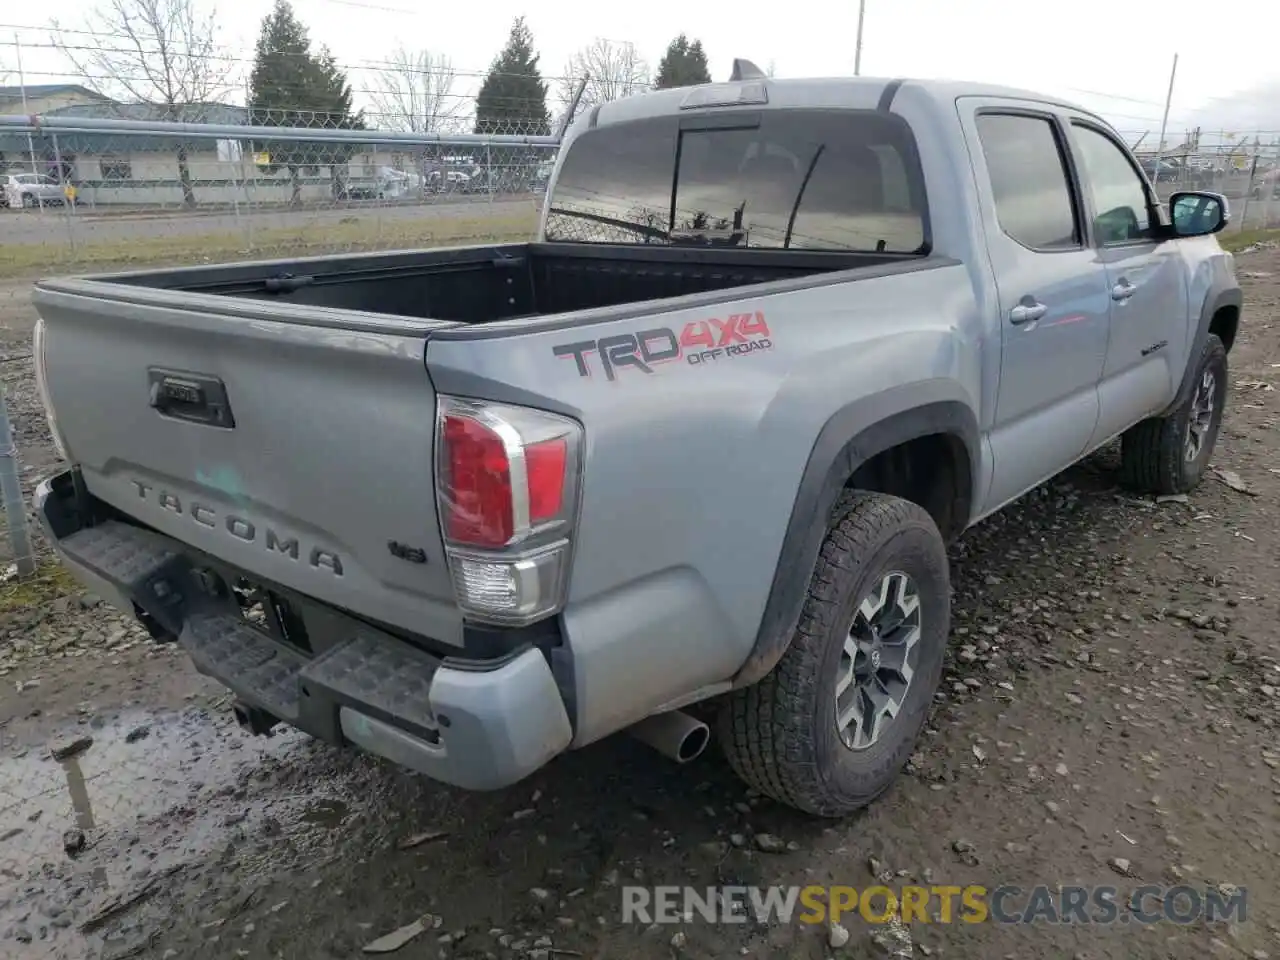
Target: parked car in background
<point>384,183</point>
<point>1198,173</point>
<point>31,190</point>
<point>446,181</point>
<point>1168,170</point>
<point>1266,186</point>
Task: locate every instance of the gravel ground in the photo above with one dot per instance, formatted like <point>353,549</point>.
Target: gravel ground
<point>1108,715</point>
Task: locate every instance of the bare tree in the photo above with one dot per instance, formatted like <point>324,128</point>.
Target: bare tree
<point>612,70</point>
<point>159,52</point>
<point>415,92</point>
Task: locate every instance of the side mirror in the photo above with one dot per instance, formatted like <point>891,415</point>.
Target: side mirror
<point>1198,214</point>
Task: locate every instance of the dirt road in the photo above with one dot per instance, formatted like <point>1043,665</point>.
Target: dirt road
<point>1109,715</point>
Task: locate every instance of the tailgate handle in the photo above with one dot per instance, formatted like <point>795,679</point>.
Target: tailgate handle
<point>194,397</point>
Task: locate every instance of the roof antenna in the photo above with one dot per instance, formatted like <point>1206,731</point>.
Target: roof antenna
<point>746,70</point>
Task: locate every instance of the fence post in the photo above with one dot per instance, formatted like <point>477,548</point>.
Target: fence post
<point>488,173</point>
<point>251,195</point>
<point>66,206</point>
<point>1269,184</point>
<point>15,508</point>
<point>1248,193</point>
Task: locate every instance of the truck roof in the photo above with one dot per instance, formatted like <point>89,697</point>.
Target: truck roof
<point>831,93</point>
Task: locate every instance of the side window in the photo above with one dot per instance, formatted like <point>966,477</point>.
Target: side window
<point>1119,197</point>
<point>1029,181</point>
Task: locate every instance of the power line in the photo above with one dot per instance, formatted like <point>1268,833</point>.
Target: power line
<point>95,78</point>
<point>1116,96</point>
<point>145,51</point>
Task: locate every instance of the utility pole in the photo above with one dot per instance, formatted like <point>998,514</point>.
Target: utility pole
<point>1164,122</point>
<point>857,52</point>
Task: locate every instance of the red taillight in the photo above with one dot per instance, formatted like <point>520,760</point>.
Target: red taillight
<point>545,464</point>
<point>478,484</point>
<point>501,476</point>
<point>507,495</point>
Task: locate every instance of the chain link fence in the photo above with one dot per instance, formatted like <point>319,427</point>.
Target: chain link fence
<point>101,192</point>
<point>1246,172</point>
<point>111,186</point>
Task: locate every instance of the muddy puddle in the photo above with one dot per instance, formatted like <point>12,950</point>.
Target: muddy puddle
<point>104,813</point>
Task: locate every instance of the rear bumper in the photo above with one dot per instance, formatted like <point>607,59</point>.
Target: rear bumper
<point>475,725</point>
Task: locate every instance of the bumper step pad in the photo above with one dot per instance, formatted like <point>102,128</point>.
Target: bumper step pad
<point>127,556</point>
<point>255,667</point>
<point>394,678</point>
<point>141,565</point>
<point>391,678</point>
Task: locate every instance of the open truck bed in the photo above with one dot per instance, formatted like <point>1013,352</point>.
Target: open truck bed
<point>481,284</point>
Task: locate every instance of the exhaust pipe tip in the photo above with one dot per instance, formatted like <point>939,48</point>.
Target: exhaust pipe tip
<point>673,734</point>
<point>694,742</point>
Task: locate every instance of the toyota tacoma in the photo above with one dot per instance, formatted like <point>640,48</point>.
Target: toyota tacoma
<point>687,465</point>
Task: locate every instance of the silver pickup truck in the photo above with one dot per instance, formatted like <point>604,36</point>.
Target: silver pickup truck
<point>689,461</point>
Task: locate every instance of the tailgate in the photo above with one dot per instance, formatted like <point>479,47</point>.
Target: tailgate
<point>293,443</point>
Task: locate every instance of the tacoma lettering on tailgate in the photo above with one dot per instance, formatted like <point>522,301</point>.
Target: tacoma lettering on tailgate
<point>699,342</point>
<point>239,527</point>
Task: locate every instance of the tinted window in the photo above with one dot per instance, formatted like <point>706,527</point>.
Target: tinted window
<point>1119,198</point>
<point>800,179</point>
<point>1029,181</point>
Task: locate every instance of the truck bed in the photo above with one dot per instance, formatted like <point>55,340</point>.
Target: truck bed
<point>481,284</point>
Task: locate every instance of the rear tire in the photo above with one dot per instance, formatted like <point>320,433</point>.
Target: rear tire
<point>782,735</point>
<point>1169,455</point>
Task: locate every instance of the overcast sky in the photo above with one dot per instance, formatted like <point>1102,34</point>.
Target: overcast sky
<point>1113,56</point>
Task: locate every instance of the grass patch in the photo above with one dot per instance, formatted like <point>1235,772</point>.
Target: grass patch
<point>1238,241</point>
<point>351,234</point>
<point>51,581</point>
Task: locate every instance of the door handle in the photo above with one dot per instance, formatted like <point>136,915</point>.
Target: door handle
<point>1026,312</point>
<point>1123,291</point>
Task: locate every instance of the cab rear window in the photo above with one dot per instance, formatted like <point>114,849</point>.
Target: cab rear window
<point>796,179</point>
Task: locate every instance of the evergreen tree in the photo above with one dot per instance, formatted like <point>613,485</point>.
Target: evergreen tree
<point>513,97</point>
<point>292,87</point>
<point>683,65</point>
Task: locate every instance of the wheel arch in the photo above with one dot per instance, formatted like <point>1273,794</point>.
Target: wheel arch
<point>1220,315</point>
<point>851,439</point>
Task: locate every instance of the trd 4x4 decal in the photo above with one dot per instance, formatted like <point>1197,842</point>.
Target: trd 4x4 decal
<point>699,342</point>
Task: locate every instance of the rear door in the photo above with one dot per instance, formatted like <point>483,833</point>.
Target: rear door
<point>1052,291</point>
<point>294,443</point>
<point>1146,280</point>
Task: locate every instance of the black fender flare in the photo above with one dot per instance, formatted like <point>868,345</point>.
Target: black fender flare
<point>1222,294</point>
<point>843,445</point>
